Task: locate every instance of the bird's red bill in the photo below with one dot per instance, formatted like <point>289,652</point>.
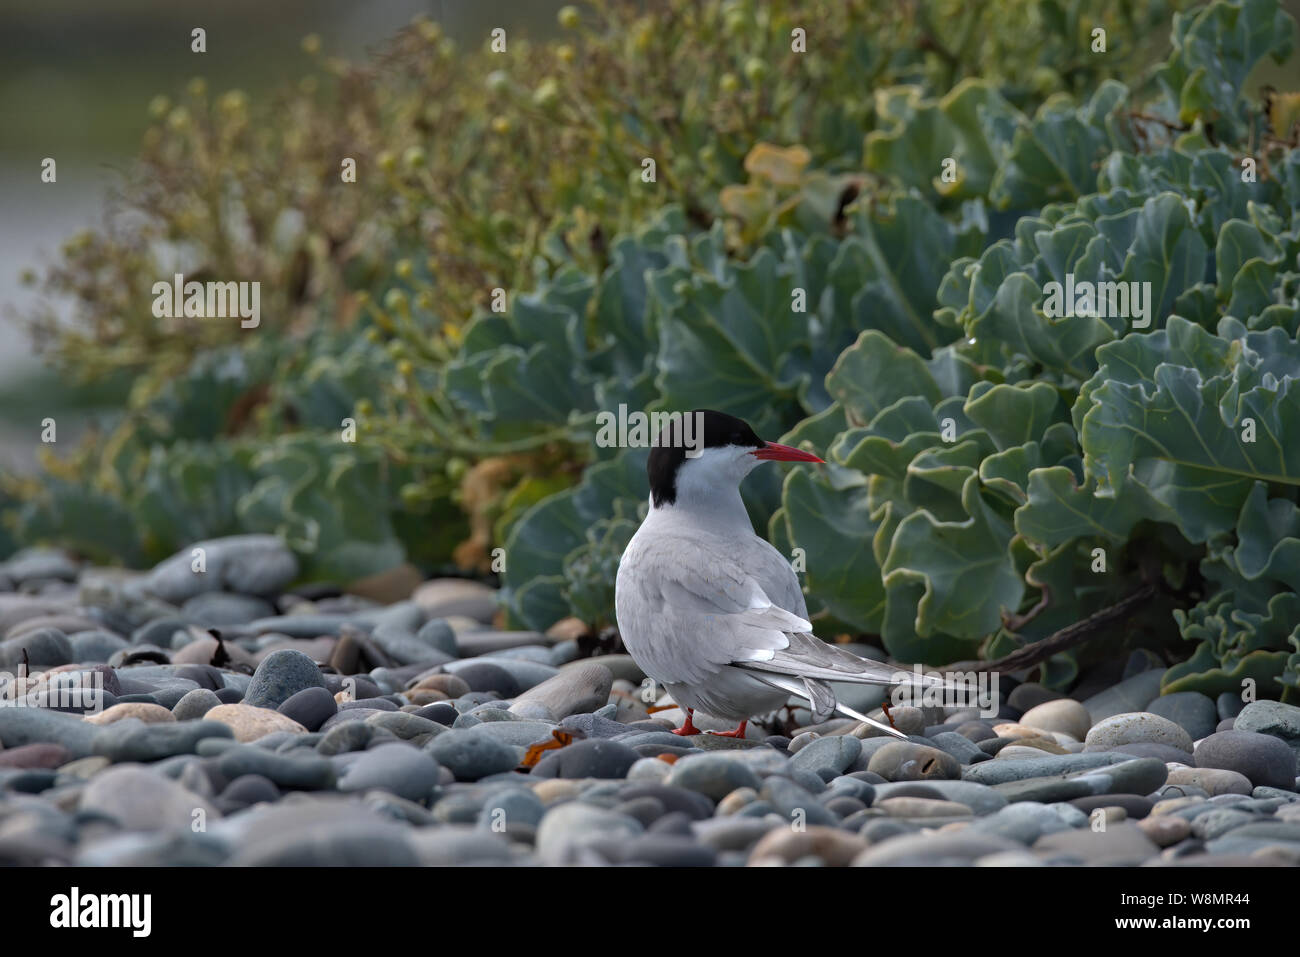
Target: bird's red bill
<point>775,452</point>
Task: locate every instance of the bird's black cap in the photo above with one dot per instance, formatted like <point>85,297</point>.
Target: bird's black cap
<point>671,446</point>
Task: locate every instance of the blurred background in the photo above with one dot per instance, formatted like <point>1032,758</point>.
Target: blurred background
<point>76,77</point>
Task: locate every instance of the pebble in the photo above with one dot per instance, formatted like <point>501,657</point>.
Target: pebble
<point>1192,711</point>
<point>1271,717</point>
<point>1130,695</point>
<point>716,777</point>
<point>1136,728</point>
<point>142,801</point>
<point>132,740</point>
<point>904,761</point>
<point>588,759</point>
<point>310,707</point>
<point>471,756</point>
<point>195,704</point>
<point>1261,758</point>
<point>250,723</point>
<point>251,564</point>
<point>567,829</point>
<point>148,713</point>
<point>281,675</point>
<point>1123,844</point>
<point>297,771</point>
<point>1212,781</point>
<point>577,688</point>
<point>1062,714</point>
<point>399,768</point>
<point>830,845</point>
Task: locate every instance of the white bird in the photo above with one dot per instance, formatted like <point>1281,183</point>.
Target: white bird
<point>711,611</point>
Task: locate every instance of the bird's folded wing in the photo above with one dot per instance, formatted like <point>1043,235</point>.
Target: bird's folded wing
<point>809,657</point>
<point>709,613</point>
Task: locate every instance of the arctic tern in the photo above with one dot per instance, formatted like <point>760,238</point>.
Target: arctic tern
<point>711,611</point>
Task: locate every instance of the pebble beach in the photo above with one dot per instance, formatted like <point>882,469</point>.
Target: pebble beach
<point>321,727</point>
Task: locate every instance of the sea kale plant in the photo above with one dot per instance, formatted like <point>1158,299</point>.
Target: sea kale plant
<point>1035,303</point>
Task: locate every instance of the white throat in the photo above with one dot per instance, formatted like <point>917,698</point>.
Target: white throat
<point>708,491</point>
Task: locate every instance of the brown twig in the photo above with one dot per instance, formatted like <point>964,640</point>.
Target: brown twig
<point>1070,635</point>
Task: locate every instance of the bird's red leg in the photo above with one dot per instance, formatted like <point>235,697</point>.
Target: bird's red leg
<point>884,706</point>
<point>737,733</point>
<point>688,726</point>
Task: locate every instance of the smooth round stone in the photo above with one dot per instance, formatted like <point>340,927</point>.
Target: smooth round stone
<point>249,564</point>
<point>319,834</point>
<point>959,746</point>
<point>310,707</point>
<point>250,723</point>
<point>793,802</point>
<point>300,770</point>
<point>1271,717</point>
<point>1162,752</point>
<point>449,685</point>
<point>95,645</point>
<point>471,756</point>
<point>1138,776</point>
<point>1192,711</point>
<point>904,761</point>
<point>143,801</point>
<point>976,731</point>
<point>487,676</point>
<point>1213,781</point>
<point>448,597</point>
<point>1047,790</point>
<point>1064,715</point>
<point>858,790</point>
<point>1229,705</point>
<point>980,798</point>
<point>19,726</point>
<point>1136,728</point>
<point>1217,821</point>
<point>250,789</point>
<point>1025,697</point>
<point>646,809</point>
<point>1262,758</point>
<point>1226,724</point>
<point>1165,830</point>
<point>218,609</point>
<point>349,736</point>
<point>998,772</point>
<point>588,759</point>
<point>714,776</point>
<point>281,675</point>
<point>406,726</point>
<point>833,753</point>
<point>1025,822</point>
<point>509,810</point>
<point>148,713</point>
<point>1130,695</point>
<point>568,828</point>
<point>579,688</point>
<point>229,695</point>
<point>830,845</point>
<point>667,850</point>
<point>40,755</point>
<point>397,768</point>
<point>918,807</point>
<point>1119,845</point>
<point>649,770</point>
<point>1136,806</point>
<point>907,719</point>
<point>132,740</point>
<point>953,847</point>
<point>45,648</point>
<point>440,712</point>
<point>841,806</point>
<point>1167,797</point>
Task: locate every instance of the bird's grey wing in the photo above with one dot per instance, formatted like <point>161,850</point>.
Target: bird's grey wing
<point>706,612</point>
<point>810,657</point>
